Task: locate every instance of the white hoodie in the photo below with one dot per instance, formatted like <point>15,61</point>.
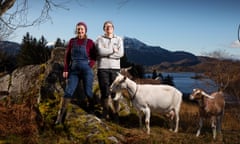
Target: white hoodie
<point>107,58</point>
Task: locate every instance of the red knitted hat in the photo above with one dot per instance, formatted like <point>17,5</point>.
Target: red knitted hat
<point>83,24</point>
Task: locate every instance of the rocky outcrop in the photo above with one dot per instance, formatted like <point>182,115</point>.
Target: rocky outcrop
<point>24,80</point>
<point>40,87</point>
<point>4,86</point>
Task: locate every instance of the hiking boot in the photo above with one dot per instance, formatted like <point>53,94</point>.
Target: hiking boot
<point>62,111</point>
<point>91,104</point>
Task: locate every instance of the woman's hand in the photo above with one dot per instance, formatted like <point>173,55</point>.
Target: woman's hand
<point>65,74</point>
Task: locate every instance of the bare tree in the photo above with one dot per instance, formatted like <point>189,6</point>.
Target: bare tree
<point>219,74</point>
<point>225,72</point>
<point>5,32</point>
<point>19,11</point>
<point>239,32</point>
<point>14,14</point>
<point>219,54</point>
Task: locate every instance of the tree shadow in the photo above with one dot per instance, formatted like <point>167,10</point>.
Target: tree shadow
<point>132,121</point>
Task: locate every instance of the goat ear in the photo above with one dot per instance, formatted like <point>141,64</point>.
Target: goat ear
<point>122,70</point>
<point>207,95</point>
<point>129,68</point>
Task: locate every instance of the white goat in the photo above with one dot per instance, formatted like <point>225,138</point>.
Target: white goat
<point>210,106</point>
<point>147,98</point>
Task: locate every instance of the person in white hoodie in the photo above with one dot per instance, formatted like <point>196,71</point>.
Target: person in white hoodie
<point>110,50</point>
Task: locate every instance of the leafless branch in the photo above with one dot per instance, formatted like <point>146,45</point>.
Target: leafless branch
<point>5,32</point>
<point>14,14</point>
<point>19,17</point>
<point>122,3</point>
<point>239,32</point>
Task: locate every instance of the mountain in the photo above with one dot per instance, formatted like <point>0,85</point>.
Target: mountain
<point>140,53</point>
<point>9,47</point>
<point>136,52</point>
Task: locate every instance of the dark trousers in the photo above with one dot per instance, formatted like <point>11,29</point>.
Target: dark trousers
<point>105,79</point>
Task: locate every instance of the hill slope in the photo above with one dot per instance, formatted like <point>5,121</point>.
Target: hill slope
<point>140,53</point>
<point>9,47</point>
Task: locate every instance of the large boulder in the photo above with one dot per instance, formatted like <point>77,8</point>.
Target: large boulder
<point>4,85</point>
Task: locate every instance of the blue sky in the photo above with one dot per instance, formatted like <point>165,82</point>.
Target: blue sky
<point>196,26</point>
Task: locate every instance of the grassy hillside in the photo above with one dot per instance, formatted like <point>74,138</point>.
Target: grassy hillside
<point>130,132</point>
<point>24,121</point>
<point>187,130</point>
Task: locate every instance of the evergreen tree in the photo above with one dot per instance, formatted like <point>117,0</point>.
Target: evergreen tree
<point>136,70</point>
<point>168,80</point>
<point>44,52</point>
<point>33,51</point>
<point>124,62</point>
<point>7,62</point>
<point>59,43</point>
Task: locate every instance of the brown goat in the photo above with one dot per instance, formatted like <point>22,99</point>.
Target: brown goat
<point>210,106</point>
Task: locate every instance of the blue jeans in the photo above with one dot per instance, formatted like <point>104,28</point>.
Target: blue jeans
<point>79,71</point>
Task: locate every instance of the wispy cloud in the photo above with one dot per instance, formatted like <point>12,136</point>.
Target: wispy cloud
<point>235,44</point>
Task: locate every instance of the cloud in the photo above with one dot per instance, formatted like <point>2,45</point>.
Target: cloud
<point>235,44</point>
<point>50,44</point>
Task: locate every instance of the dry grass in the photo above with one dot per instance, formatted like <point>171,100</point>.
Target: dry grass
<point>19,120</point>
<point>187,130</point>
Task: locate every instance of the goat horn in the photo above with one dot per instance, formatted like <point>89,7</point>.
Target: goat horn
<point>207,95</point>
